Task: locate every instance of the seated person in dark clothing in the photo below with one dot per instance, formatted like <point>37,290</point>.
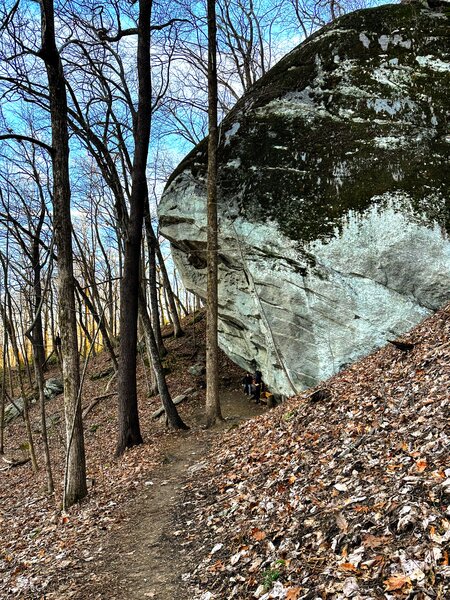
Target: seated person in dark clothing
<point>257,393</point>
<point>257,386</point>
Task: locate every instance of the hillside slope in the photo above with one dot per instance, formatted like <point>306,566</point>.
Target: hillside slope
<point>345,497</point>
<point>48,554</point>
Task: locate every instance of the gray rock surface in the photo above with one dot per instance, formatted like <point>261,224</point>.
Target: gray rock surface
<point>334,198</point>
<point>53,387</point>
<point>13,410</point>
<point>197,369</point>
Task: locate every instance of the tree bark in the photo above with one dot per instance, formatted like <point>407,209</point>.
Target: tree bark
<point>213,412</point>
<point>173,418</point>
<point>3,390</point>
<point>129,429</point>
<point>39,374</point>
<point>38,336</point>
<point>177,329</point>
<point>75,479</point>
<point>151,250</point>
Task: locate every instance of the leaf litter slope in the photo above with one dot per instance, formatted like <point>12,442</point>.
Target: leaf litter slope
<point>44,553</point>
<point>341,498</point>
<point>147,556</point>
<point>346,497</point>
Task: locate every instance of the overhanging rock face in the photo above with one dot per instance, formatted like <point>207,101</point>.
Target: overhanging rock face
<point>334,202</point>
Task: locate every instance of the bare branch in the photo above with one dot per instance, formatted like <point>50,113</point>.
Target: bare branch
<point>104,37</point>
<point>26,138</point>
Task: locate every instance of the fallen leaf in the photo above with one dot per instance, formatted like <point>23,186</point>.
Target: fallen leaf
<point>396,582</point>
<point>216,548</point>
<point>257,534</point>
<point>217,566</point>
<point>373,541</point>
<point>341,522</point>
<point>293,593</point>
<point>421,465</point>
<point>341,487</point>
<point>392,467</point>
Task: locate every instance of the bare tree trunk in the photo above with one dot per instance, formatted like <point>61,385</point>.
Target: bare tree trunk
<point>151,249</point>
<point>172,415</point>
<point>213,412</point>
<point>3,391</point>
<point>39,374</point>
<point>166,302</point>
<point>52,313</point>
<point>26,415</point>
<point>177,329</point>
<point>86,338</point>
<point>38,337</point>
<point>75,488</point>
<point>36,317</point>
<point>129,429</point>
<point>147,329</point>
<point>146,325</point>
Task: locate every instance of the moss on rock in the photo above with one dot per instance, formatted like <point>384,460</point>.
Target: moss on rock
<point>358,110</point>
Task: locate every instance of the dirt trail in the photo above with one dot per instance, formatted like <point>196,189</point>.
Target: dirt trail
<point>146,559</point>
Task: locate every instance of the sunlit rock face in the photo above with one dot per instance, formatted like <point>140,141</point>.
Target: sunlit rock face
<point>334,198</point>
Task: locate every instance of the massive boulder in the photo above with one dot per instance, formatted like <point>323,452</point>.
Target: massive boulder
<point>333,198</point>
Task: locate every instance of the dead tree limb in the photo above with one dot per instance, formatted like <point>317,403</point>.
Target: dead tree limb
<point>95,401</point>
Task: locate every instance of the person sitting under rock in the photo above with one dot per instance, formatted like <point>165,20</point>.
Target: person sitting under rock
<point>257,386</point>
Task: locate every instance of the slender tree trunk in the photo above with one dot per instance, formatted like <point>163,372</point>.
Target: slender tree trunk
<point>3,391</point>
<point>10,375</point>
<point>177,329</point>
<point>75,488</point>
<point>147,329</point>
<point>39,374</point>
<point>145,324</point>
<point>129,429</point>
<point>83,323</point>
<point>38,336</point>
<point>26,415</point>
<point>52,314</point>
<point>166,302</point>
<point>173,418</point>
<point>156,323</point>
<point>213,412</point>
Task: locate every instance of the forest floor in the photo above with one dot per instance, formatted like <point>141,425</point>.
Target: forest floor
<point>342,492</point>
<point>117,543</point>
<point>147,556</point>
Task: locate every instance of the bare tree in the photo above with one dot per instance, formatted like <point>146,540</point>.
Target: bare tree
<point>75,487</point>
<point>129,432</point>
<point>213,412</point>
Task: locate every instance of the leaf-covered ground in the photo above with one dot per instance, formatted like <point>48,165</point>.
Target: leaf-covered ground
<point>47,554</point>
<point>342,497</point>
<point>343,494</point>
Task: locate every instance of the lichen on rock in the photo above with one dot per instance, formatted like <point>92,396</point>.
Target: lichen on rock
<point>334,197</point>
